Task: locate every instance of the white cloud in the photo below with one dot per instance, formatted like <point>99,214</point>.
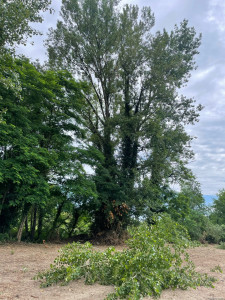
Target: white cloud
<point>216,14</point>
<point>209,162</point>
<point>202,74</point>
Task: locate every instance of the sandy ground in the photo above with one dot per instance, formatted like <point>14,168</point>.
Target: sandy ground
<point>19,263</point>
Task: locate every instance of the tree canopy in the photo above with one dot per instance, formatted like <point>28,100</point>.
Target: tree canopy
<point>16,17</point>
<point>36,149</point>
<point>97,136</point>
<point>134,113</point>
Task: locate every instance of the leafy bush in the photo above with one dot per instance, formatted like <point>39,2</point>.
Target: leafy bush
<point>195,224</point>
<point>83,225</point>
<point>214,233</point>
<point>221,246</point>
<point>4,237</point>
<point>201,228</point>
<point>154,260</point>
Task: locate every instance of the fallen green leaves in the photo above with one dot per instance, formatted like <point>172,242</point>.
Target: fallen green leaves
<point>154,260</point>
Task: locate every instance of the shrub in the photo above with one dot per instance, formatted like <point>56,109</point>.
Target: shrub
<point>201,228</point>
<point>214,233</point>
<point>4,237</point>
<point>195,224</point>
<point>154,260</point>
<point>221,246</point>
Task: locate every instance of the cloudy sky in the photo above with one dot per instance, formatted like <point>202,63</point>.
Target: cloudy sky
<point>207,84</point>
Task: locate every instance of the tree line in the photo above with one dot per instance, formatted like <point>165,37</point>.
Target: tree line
<point>93,139</point>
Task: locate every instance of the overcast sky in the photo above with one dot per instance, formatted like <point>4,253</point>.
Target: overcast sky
<point>207,84</point>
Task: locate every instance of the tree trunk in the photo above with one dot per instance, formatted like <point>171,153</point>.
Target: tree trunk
<point>33,223</point>
<point>59,210</point>
<point>20,231</point>
<point>3,199</point>
<point>40,221</point>
<point>24,217</point>
<point>74,221</point>
<point>26,228</point>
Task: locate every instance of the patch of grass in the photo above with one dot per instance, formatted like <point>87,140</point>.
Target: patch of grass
<point>217,269</point>
<point>24,269</point>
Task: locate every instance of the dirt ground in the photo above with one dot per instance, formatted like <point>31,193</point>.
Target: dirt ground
<point>19,263</point>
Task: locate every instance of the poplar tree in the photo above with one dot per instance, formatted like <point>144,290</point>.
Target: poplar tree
<point>134,114</point>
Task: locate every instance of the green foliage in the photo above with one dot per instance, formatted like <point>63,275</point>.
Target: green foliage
<point>201,228</point>
<point>195,223</point>
<point>218,213</point>
<point>214,233</point>
<point>83,225</point>
<point>15,19</point>
<point>41,170</point>
<point>188,209</point>
<point>221,245</point>
<point>132,102</point>
<point>128,104</point>
<point>179,207</point>
<point>4,237</point>
<point>15,27</point>
<point>149,199</point>
<point>155,259</point>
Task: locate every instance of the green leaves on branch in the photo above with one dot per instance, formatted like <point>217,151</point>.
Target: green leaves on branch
<point>155,259</point>
<point>16,17</point>
<point>133,112</point>
<point>37,131</point>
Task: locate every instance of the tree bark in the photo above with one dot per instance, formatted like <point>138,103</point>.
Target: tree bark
<point>3,199</point>
<point>34,222</point>
<point>26,228</point>
<point>20,231</point>
<point>74,221</point>
<point>40,221</point>
<point>24,217</point>
<point>59,210</point>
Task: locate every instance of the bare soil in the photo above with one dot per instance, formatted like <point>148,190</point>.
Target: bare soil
<point>19,263</point>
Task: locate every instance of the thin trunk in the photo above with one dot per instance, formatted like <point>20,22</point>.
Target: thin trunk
<point>24,217</point>
<point>74,221</point>
<point>26,228</point>
<point>3,199</point>
<point>40,221</point>
<point>20,231</point>
<point>31,221</point>
<point>59,210</point>
<point>34,222</point>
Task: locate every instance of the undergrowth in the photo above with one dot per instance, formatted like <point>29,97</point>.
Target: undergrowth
<point>221,246</point>
<point>155,259</point>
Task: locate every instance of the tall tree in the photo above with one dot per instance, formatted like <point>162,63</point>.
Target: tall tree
<point>36,136</point>
<point>134,114</point>
<point>39,122</point>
